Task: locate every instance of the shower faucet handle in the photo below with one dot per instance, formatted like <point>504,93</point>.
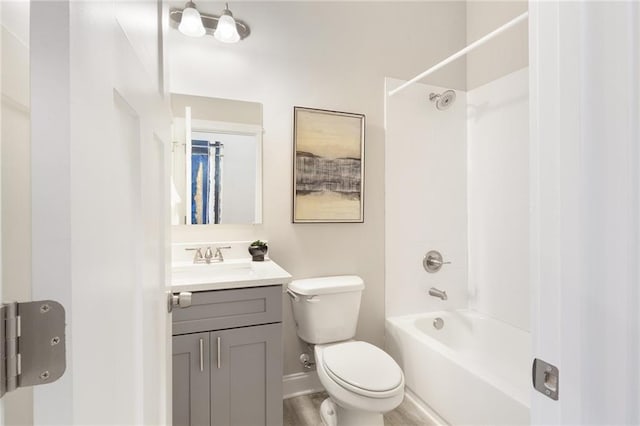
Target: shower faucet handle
<point>437,262</point>
<point>432,261</point>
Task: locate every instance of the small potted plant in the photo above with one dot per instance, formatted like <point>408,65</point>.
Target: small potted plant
<point>258,249</point>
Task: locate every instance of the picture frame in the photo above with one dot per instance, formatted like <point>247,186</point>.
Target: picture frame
<point>328,166</point>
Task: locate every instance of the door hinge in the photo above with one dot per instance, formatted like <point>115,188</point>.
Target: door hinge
<point>32,344</point>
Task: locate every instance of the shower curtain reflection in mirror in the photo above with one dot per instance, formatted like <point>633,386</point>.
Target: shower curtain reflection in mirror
<point>206,178</point>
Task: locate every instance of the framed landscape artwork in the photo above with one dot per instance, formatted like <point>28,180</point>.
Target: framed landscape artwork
<point>328,169</point>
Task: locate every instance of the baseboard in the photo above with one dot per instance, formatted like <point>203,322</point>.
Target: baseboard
<point>424,407</point>
<point>298,384</point>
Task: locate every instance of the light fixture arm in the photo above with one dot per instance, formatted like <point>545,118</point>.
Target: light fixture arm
<point>210,22</point>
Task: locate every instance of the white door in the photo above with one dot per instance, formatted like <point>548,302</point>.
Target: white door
<point>585,94</point>
<point>100,132</point>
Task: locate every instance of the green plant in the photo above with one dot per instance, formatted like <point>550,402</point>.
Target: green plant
<point>258,243</point>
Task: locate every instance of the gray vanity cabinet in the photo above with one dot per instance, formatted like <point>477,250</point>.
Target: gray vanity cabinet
<point>239,334</point>
<point>191,379</point>
<point>247,388</point>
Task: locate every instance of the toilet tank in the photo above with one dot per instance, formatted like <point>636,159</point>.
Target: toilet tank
<point>326,309</point>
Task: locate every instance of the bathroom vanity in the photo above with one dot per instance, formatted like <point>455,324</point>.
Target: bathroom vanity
<point>227,344</point>
<point>227,336</point>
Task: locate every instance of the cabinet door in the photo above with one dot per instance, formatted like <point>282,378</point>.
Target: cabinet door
<point>191,379</point>
<point>246,376</point>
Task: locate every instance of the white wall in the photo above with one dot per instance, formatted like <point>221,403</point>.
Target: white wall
<point>295,57</point>
<point>498,163</point>
<point>16,179</point>
<point>498,196</point>
<point>496,185</point>
<point>16,150</point>
<point>226,110</point>
<point>425,199</point>
<point>504,54</point>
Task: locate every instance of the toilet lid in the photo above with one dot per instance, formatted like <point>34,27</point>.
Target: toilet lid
<point>363,366</point>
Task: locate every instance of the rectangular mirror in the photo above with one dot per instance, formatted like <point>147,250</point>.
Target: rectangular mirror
<point>216,164</point>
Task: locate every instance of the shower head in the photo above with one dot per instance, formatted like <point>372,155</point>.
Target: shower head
<point>444,100</point>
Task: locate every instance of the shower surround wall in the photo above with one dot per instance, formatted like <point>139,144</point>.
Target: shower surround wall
<point>498,197</point>
<point>457,181</point>
<point>425,199</point>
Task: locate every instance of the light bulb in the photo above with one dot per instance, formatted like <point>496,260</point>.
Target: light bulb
<point>226,30</point>
<point>191,22</point>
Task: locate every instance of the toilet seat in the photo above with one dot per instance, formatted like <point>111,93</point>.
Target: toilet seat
<point>363,369</point>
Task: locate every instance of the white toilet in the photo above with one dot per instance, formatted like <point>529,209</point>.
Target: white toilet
<point>362,381</point>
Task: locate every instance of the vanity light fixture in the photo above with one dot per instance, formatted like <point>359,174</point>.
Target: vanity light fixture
<point>191,21</point>
<point>224,28</point>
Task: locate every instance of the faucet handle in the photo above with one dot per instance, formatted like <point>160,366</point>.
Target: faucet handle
<point>218,254</point>
<point>197,257</point>
<point>432,261</point>
<point>437,262</point>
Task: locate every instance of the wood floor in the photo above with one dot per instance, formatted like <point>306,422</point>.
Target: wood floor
<point>305,411</point>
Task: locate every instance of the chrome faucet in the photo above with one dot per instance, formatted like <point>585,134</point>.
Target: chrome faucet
<point>208,256</point>
<point>438,293</point>
<point>217,257</point>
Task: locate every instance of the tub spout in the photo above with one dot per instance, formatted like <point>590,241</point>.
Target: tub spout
<point>438,293</point>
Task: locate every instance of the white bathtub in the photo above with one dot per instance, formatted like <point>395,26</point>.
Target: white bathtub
<point>474,371</point>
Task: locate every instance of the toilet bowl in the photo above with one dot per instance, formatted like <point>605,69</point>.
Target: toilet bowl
<point>362,380</point>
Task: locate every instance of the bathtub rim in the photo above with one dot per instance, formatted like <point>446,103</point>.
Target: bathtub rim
<point>405,323</point>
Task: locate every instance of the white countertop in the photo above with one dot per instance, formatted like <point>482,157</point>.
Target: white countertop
<point>233,273</point>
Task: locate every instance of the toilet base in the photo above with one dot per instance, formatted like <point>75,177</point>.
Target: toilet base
<point>334,415</point>
<point>328,413</point>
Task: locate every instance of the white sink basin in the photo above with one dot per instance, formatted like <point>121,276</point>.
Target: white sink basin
<point>214,267</point>
<point>232,273</point>
<point>212,271</point>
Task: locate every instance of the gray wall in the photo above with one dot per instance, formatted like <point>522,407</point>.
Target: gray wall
<point>324,55</point>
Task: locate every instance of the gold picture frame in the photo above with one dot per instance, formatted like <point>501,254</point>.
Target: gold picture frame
<point>328,166</point>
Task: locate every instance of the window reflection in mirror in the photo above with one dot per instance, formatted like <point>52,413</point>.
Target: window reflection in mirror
<point>216,175</point>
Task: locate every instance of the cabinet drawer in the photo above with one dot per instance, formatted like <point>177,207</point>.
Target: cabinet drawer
<point>221,309</point>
